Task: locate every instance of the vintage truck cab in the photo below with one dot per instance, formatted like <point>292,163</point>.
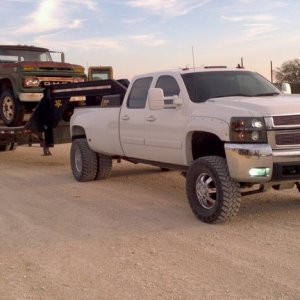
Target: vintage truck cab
<point>24,73</point>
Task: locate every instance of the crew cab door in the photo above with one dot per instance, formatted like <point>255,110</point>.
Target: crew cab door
<point>164,128</point>
<point>132,119</point>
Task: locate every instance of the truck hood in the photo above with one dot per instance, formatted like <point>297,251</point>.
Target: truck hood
<point>44,66</point>
<point>48,64</point>
<point>259,106</point>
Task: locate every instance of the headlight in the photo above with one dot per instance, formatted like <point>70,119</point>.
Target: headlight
<point>31,82</point>
<point>248,130</point>
<point>78,79</point>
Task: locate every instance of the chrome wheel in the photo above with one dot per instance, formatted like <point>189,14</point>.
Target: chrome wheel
<point>206,191</point>
<point>213,195</point>
<point>11,109</point>
<point>8,108</point>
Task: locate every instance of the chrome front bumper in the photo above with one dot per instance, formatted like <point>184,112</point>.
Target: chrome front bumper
<point>242,159</point>
<point>36,97</point>
<point>30,97</point>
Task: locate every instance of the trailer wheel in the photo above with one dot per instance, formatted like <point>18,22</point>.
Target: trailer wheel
<point>8,147</point>
<point>83,161</point>
<point>11,109</point>
<point>104,166</point>
<point>12,146</point>
<point>212,194</point>
<point>4,148</point>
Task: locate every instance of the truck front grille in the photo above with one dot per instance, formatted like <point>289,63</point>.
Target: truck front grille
<point>284,131</point>
<point>54,69</point>
<point>292,120</point>
<point>287,139</point>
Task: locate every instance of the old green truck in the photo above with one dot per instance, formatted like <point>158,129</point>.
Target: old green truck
<point>24,73</point>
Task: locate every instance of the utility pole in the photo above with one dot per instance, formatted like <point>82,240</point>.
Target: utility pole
<point>271,63</point>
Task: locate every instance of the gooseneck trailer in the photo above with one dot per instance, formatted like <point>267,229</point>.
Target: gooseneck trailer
<point>49,122</point>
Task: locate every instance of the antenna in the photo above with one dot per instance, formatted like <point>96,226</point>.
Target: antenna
<point>193,58</point>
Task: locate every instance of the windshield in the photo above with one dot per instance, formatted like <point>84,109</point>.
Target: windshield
<point>100,75</point>
<point>202,86</point>
<point>12,56</point>
<point>295,88</point>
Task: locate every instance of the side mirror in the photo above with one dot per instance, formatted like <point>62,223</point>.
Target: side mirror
<point>286,88</point>
<point>156,98</point>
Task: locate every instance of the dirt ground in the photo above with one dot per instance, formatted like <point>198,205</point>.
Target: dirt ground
<point>133,236</point>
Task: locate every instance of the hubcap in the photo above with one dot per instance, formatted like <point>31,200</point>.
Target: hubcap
<point>8,108</point>
<point>78,161</point>
<point>206,191</point>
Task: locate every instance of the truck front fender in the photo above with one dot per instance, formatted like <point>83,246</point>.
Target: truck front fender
<point>218,127</point>
<point>208,125</point>
<point>6,84</point>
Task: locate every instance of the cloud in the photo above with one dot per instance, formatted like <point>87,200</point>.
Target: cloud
<point>269,4</point>
<point>133,21</point>
<point>75,24</point>
<point>90,4</point>
<point>53,41</point>
<point>253,25</point>
<point>168,8</point>
<point>149,40</point>
<point>117,44</point>
<point>251,18</point>
<point>53,15</point>
<point>45,18</point>
<point>255,30</point>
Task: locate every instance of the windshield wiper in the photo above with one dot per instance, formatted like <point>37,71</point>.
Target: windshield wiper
<point>232,95</point>
<point>266,94</point>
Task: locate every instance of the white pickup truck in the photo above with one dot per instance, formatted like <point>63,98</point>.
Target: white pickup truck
<point>229,131</point>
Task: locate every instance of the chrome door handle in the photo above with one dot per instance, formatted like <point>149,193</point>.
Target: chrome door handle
<point>125,118</point>
<point>151,118</point>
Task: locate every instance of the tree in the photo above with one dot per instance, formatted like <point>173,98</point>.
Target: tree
<point>288,72</point>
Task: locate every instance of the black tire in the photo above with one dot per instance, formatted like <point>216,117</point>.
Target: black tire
<point>13,146</point>
<point>11,109</point>
<point>84,162</point>
<point>212,194</point>
<point>4,148</point>
<point>8,147</point>
<point>104,166</point>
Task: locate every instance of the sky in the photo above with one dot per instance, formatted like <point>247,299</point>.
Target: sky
<point>140,36</point>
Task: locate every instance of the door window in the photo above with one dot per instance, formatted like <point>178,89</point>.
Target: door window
<point>169,85</point>
<point>139,93</point>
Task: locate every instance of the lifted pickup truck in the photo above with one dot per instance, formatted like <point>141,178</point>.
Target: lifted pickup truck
<point>229,131</point>
<point>24,73</point>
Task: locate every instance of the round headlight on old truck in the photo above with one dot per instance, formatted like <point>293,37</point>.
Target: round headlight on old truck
<point>78,79</point>
<point>31,82</point>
